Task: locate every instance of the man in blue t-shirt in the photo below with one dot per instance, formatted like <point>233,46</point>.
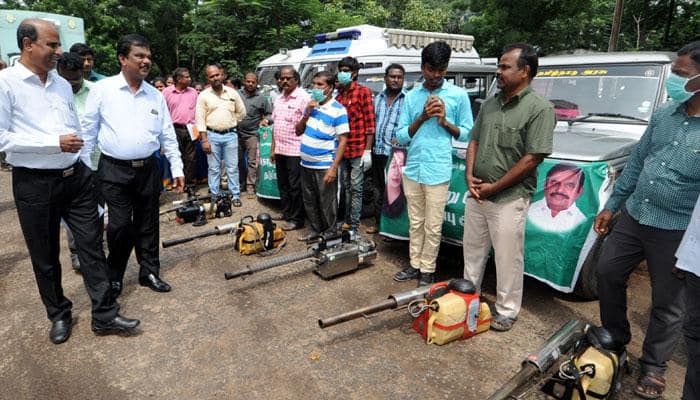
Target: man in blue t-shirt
<point>324,131</point>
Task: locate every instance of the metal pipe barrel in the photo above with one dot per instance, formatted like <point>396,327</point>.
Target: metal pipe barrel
<point>271,263</point>
<point>360,312</point>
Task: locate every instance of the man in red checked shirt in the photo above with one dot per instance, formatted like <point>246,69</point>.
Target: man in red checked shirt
<point>357,100</point>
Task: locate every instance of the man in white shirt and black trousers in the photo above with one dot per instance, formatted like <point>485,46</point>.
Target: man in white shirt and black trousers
<point>40,132</point>
<point>129,120</point>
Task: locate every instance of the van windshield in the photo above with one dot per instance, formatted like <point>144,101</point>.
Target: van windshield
<point>629,90</point>
<point>308,70</point>
<point>266,76</point>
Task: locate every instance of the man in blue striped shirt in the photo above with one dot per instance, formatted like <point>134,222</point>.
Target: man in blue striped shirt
<point>387,109</point>
<point>658,188</point>
<point>325,128</point>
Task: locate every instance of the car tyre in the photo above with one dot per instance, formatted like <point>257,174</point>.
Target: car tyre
<point>587,284</point>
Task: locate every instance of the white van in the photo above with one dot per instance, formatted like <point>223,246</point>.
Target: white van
<point>285,58</point>
<point>375,48</point>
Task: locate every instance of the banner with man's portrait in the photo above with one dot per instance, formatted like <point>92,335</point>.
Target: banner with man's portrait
<point>266,185</point>
<point>558,233</point>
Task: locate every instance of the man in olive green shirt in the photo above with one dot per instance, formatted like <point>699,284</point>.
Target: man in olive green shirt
<point>511,136</point>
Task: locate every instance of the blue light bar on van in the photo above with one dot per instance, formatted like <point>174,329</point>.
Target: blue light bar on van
<point>351,34</point>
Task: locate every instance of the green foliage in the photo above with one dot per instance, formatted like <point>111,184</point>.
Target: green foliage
<point>239,33</point>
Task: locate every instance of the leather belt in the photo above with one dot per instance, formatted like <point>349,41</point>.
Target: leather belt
<point>128,163</point>
<point>179,126</point>
<point>222,132</point>
<point>61,173</point>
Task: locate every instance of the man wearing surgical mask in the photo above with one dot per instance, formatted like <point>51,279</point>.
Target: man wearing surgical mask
<point>324,130</point>
<point>357,100</point>
<point>655,196</point>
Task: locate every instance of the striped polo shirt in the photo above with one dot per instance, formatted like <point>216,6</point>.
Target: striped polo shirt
<point>320,139</point>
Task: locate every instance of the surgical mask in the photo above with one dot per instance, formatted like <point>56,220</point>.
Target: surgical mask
<point>318,95</point>
<point>344,77</point>
<point>675,86</point>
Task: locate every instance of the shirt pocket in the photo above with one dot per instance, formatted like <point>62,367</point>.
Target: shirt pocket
<point>687,161</point>
<point>508,136</point>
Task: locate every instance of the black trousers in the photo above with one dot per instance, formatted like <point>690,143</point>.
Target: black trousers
<point>289,184</point>
<point>629,244</point>
<point>132,195</point>
<point>378,170</point>
<point>248,145</point>
<point>691,389</point>
<point>42,199</point>
<point>188,152</point>
<point>320,199</point>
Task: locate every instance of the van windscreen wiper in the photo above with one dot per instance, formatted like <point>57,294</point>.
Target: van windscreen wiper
<point>610,115</point>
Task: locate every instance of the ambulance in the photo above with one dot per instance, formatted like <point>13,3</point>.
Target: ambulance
<point>284,58</point>
<point>376,47</point>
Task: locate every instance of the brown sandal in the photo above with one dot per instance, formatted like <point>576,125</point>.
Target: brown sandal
<point>650,385</point>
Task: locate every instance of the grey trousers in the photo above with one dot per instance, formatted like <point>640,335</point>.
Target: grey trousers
<point>320,199</point>
<point>629,244</point>
<point>249,146</point>
<point>691,389</point>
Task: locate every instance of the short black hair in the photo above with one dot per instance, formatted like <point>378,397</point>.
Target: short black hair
<point>297,77</point>
<point>350,62</point>
<point>330,78</point>
<point>26,29</point>
<point>126,42</point>
<point>179,72</point>
<point>250,73</point>
<point>692,49</point>
<point>277,74</point>
<point>81,49</point>
<point>394,66</point>
<point>158,79</point>
<point>528,56</point>
<point>70,62</point>
<point>436,54</point>
<point>561,167</point>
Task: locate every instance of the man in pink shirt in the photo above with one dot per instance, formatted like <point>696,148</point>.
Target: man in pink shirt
<point>182,100</point>
<point>287,110</point>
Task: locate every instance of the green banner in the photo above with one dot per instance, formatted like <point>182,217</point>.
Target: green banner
<point>266,185</point>
<point>558,232</point>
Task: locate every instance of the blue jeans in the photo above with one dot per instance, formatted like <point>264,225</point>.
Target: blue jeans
<point>223,147</point>
<point>353,181</point>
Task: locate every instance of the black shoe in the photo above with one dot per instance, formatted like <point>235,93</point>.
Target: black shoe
<point>426,279</point>
<point>407,274</point>
<point>155,283</point>
<point>60,330</point>
<point>117,325</point>
<point>292,226</point>
<point>116,288</point>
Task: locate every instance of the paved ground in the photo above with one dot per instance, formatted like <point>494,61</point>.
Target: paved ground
<point>258,338</point>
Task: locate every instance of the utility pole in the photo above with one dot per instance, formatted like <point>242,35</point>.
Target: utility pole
<point>617,21</point>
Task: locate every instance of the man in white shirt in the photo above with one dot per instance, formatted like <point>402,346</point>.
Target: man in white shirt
<point>688,254</point>
<point>39,130</point>
<point>129,120</point>
<point>557,211</point>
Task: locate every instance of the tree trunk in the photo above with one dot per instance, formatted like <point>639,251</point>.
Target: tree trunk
<point>667,29</point>
<point>617,20</point>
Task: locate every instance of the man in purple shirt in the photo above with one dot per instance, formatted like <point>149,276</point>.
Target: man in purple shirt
<point>181,100</point>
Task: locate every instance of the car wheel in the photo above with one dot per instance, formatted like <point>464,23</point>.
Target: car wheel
<point>587,285</point>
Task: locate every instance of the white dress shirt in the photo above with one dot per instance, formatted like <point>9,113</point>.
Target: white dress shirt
<point>32,117</point>
<point>688,252</point>
<point>566,220</point>
<point>128,126</point>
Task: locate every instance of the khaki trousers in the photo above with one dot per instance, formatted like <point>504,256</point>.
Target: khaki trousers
<point>503,227</point>
<point>426,211</point>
